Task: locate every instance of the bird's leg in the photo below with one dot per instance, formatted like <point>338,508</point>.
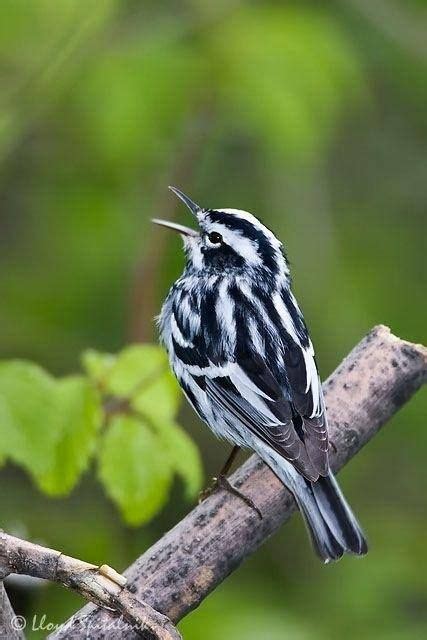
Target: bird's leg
<point>229,462</point>
<point>214,484</point>
<point>221,482</point>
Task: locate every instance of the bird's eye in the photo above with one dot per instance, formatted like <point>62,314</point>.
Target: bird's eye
<point>215,238</point>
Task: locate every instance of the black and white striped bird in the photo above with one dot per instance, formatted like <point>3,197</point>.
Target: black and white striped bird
<point>239,346</point>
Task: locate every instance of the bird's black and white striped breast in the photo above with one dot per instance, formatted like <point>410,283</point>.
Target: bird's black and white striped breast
<point>197,323</point>
<point>221,325</point>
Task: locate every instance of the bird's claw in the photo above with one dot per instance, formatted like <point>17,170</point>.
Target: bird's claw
<point>210,489</point>
<point>333,446</point>
<point>221,482</point>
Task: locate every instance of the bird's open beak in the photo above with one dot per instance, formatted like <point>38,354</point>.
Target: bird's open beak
<point>194,208</point>
<point>179,228</point>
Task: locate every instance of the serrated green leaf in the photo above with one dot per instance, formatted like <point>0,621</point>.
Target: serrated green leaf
<point>160,399</point>
<point>136,366</point>
<point>184,455</point>
<point>30,434</point>
<point>78,412</point>
<point>135,469</point>
<point>143,372</point>
<point>97,365</point>
<point>140,372</point>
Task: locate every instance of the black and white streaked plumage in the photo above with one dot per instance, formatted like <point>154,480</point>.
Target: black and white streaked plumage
<point>239,346</point>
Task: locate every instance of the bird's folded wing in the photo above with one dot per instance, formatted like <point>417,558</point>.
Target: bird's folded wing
<point>259,406</point>
<point>273,348</point>
<point>285,408</point>
<point>306,395</point>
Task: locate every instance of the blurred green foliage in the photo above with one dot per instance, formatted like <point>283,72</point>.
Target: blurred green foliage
<point>48,427</point>
<point>311,115</point>
<point>123,411</point>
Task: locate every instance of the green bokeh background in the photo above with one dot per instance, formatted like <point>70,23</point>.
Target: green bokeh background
<point>311,115</point>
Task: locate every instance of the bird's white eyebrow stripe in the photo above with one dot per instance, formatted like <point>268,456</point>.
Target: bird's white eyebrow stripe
<point>244,247</point>
<point>240,214</point>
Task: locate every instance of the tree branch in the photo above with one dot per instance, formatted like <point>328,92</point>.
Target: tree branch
<point>101,585</point>
<point>9,623</point>
<point>177,573</point>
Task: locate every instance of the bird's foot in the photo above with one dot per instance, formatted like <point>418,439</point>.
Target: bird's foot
<point>221,482</point>
<point>209,490</point>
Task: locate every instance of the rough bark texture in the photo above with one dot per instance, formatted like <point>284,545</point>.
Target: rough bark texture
<point>8,619</point>
<point>102,585</point>
<point>177,573</point>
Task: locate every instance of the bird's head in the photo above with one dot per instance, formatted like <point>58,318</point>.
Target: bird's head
<point>228,240</point>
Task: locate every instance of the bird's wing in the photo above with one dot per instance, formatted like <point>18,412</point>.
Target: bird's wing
<point>291,405</point>
<point>266,383</point>
<point>307,402</point>
<point>277,347</point>
<point>257,404</point>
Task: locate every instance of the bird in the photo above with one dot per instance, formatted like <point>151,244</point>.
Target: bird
<point>240,349</point>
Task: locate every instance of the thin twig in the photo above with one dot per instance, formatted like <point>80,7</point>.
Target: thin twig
<point>101,585</point>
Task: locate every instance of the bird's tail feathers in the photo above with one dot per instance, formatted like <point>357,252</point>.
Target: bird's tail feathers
<point>333,528</point>
<point>338,516</point>
<point>325,544</point>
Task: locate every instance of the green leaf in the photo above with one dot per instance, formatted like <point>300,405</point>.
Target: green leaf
<point>135,469</point>
<point>97,365</point>
<point>136,366</point>
<point>7,425</point>
<point>159,399</point>
<point>29,430</point>
<point>140,372</point>
<point>49,427</point>
<point>184,456</point>
<point>79,415</point>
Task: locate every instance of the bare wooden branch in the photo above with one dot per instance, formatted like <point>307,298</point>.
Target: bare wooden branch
<point>10,624</point>
<point>101,585</point>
